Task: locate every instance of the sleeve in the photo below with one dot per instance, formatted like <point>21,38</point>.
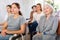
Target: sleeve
<point>6,17</point>
<point>54,27</point>
<point>22,20</point>
<point>39,28</point>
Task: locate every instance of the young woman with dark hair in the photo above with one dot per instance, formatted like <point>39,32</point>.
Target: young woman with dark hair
<point>15,23</point>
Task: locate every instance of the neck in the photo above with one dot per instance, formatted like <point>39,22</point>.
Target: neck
<point>34,11</point>
<point>48,16</point>
<point>16,14</point>
<point>9,14</point>
<point>38,11</point>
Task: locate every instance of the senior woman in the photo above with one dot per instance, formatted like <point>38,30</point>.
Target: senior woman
<point>47,26</point>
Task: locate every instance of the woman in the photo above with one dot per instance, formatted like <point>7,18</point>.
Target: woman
<point>8,8</point>
<point>36,17</point>
<point>47,26</point>
<point>38,13</point>
<point>15,23</point>
<point>31,17</point>
<point>33,11</point>
<point>30,21</point>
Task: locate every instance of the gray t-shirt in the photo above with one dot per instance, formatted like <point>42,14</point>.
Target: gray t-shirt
<point>14,24</point>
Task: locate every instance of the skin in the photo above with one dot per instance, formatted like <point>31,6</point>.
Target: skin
<point>38,9</point>
<point>34,9</point>
<point>15,11</point>
<point>48,11</point>
<point>31,14</point>
<point>8,9</point>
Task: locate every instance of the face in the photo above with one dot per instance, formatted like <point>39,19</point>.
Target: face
<point>34,8</point>
<point>14,9</point>
<point>8,9</point>
<point>38,7</point>
<point>47,9</point>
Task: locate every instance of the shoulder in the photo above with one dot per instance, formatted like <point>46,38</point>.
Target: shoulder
<point>55,18</point>
<point>35,13</point>
<point>21,17</point>
<point>11,15</point>
<point>42,17</point>
<point>32,12</point>
<point>42,14</point>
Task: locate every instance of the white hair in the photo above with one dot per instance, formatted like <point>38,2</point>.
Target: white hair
<point>50,6</point>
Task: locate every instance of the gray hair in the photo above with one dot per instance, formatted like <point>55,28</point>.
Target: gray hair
<point>50,6</point>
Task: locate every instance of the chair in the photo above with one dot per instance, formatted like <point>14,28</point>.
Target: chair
<point>22,36</point>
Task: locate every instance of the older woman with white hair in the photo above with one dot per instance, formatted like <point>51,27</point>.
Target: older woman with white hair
<point>47,26</point>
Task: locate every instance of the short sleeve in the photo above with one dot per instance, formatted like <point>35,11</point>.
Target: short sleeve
<point>39,28</point>
<point>22,20</point>
<point>6,17</point>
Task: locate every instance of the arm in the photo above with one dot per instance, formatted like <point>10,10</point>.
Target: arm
<point>22,30</point>
<point>22,23</point>
<point>39,28</point>
<point>31,16</point>
<point>4,25</point>
<point>3,32</point>
<point>54,27</point>
<point>5,20</point>
<point>1,24</point>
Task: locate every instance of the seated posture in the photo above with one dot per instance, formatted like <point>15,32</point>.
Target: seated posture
<point>15,23</point>
<point>47,26</point>
<point>34,19</point>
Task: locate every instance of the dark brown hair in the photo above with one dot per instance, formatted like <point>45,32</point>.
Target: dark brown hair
<point>8,6</point>
<point>33,6</point>
<point>18,6</point>
<point>40,6</point>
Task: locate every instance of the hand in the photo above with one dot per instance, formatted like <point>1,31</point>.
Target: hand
<point>1,24</point>
<point>3,33</point>
<point>30,22</point>
<point>39,33</point>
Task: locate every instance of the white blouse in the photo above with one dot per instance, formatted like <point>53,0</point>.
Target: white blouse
<point>36,16</point>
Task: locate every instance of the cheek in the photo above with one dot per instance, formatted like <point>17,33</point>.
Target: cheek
<point>34,9</point>
<point>8,9</point>
<point>47,10</point>
<point>14,10</point>
<point>38,8</point>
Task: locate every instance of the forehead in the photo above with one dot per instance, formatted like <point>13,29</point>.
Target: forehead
<point>7,7</point>
<point>34,7</point>
<point>37,5</point>
<point>13,5</point>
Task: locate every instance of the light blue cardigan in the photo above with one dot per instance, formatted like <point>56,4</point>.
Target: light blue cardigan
<point>47,28</point>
